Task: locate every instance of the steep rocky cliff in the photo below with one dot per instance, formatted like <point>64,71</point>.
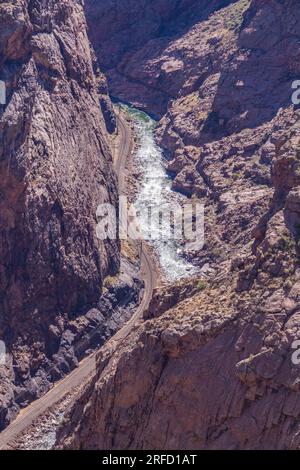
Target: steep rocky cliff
<point>126,35</point>
<point>55,168</point>
<point>213,369</point>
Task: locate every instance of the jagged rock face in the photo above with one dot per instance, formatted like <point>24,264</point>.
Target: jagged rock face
<point>226,95</point>
<point>203,376</point>
<point>106,105</point>
<point>126,34</point>
<point>215,371</point>
<point>117,28</point>
<point>55,169</point>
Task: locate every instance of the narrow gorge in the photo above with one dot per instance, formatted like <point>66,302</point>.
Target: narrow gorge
<point>211,366</point>
<point>169,348</point>
<point>56,168</point>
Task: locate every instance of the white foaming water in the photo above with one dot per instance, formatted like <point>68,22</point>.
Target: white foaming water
<point>156,192</point>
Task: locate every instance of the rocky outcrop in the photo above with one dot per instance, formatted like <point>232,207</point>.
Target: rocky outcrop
<point>215,372</point>
<point>225,101</point>
<point>126,35</point>
<point>212,367</point>
<point>55,169</point>
<point>106,104</point>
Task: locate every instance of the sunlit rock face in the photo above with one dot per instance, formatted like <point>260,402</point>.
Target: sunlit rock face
<point>55,168</point>
<point>212,367</point>
<point>126,35</point>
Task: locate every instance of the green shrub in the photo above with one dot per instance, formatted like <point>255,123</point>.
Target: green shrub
<point>202,285</point>
<point>235,15</point>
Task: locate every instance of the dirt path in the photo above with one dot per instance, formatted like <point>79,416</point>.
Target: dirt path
<point>87,367</point>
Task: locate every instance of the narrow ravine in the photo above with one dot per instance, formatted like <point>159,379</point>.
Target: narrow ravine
<point>156,192</point>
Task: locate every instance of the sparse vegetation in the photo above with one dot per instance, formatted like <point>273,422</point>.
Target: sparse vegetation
<point>286,243</point>
<point>235,15</point>
<point>202,285</point>
<point>237,176</point>
<point>110,281</point>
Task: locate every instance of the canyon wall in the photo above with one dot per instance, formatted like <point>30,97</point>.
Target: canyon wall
<point>213,369</point>
<point>55,168</point>
<point>126,34</point>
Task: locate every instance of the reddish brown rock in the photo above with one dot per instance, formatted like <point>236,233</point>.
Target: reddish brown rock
<point>55,168</point>
<point>214,372</point>
<point>213,369</point>
<point>125,35</point>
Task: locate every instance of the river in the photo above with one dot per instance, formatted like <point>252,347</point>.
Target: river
<point>156,192</point>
